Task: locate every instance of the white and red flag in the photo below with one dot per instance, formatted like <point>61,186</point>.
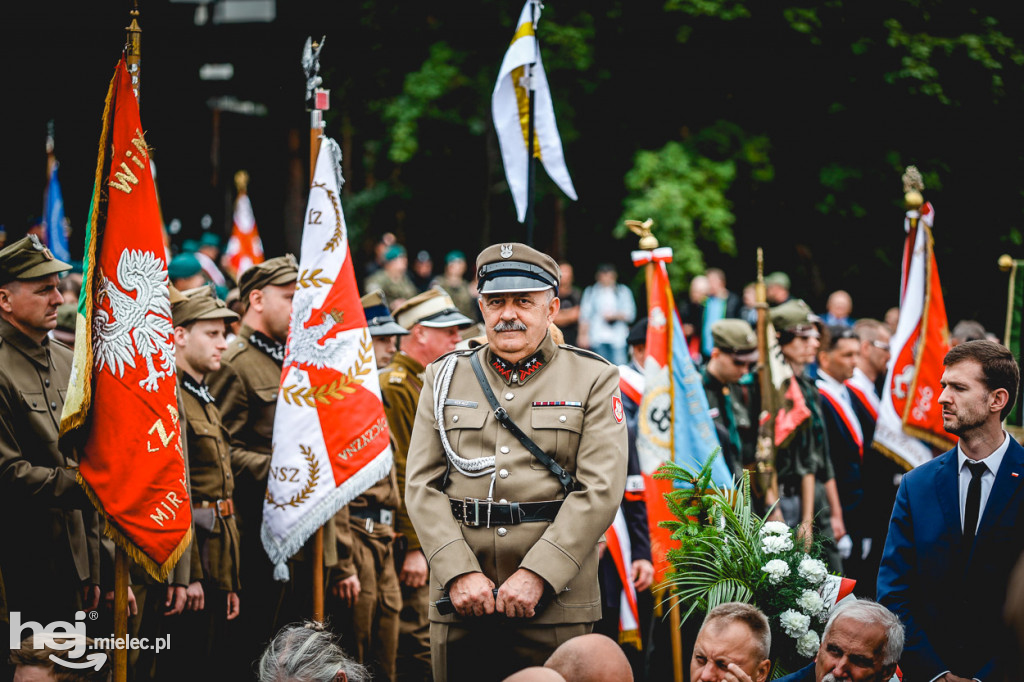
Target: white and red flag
<point>121,409</point>
<point>621,552</point>
<point>330,425</point>
<point>909,411</point>
<point>244,248</point>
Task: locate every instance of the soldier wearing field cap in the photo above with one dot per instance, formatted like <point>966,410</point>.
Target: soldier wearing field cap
<point>433,323</point>
<point>731,394</point>
<point>516,467</point>
<point>212,595</point>
<point>808,497</point>
<point>50,562</point>
<point>383,328</point>
<point>245,388</point>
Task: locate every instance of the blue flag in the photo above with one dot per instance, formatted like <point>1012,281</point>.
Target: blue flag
<point>56,237</point>
<point>694,436</point>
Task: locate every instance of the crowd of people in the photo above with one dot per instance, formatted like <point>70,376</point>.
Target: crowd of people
<point>512,401</point>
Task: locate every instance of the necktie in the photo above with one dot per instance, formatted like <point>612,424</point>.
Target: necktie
<point>971,510</point>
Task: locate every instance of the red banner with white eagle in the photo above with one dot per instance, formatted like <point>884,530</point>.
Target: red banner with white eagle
<point>121,410</point>
<point>909,408</point>
<point>330,423</point>
<point>244,249</point>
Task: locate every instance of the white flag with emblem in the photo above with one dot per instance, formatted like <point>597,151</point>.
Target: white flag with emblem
<point>331,439</point>
<point>510,107</point>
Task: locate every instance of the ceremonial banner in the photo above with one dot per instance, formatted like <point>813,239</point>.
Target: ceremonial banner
<point>330,426</point>
<point>674,422</point>
<point>1013,336</point>
<point>510,108</point>
<point>909,409</point>
<point>244,248</point>
<point>53,218</point>
<point>122,409</point>
<point>621,552</point>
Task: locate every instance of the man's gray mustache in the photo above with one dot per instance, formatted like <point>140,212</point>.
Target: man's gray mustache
<point>510,326</point>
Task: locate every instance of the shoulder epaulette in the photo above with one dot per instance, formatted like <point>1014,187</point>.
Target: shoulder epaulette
<point>397,376</point>
<point>56,342</point>
<point>584,352</point>
<point>461,352</point>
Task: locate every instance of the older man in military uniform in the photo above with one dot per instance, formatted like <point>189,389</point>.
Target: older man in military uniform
<point>245,389</point>
<point>433,323</point>
<point>516,467</point>
<point>366,599</point>
<point>49,567</point>
<point>212,596</point>
<point>733,352</point>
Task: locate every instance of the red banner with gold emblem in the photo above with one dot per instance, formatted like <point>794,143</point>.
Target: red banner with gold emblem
<point>121,411</point>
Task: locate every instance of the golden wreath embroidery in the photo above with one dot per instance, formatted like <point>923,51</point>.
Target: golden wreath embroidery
<point>312,478</point>
<point>339,234</point>
<point>340,388</point>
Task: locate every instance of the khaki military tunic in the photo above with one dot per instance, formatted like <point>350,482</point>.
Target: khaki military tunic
<point>49,534</point>
<point>215,556</point>
<point>401,290</point>
<point>567,401</point>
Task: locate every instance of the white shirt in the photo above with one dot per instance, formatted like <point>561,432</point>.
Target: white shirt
<point>987,479</point>
<point>840,392</point>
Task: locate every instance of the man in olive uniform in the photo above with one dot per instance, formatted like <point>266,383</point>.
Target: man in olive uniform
<point>733,352</point>
<point>808,497</point>
<point>433,323</point>
<point>245,390</point>
<point>199,339</point>
<point>49,567</point>
<point>366,599</point>
<point>516,505</point>
<point>393,279</point>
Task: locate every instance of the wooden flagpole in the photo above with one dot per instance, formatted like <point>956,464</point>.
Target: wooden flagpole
<point>317,101</point>
<point>122,577</point>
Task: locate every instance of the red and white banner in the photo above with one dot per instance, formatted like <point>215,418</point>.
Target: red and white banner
<point>329,427</point>
<point>621,552</point>
<point>122,409</point>
<point>909,408</point>
<point>244,248</point>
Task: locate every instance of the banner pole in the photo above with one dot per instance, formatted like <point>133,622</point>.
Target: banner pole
<point>121,580</point>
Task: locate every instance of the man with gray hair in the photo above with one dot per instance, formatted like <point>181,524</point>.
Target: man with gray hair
<point>733,645</point>
<point>863,642</point>
<point>308,652</point>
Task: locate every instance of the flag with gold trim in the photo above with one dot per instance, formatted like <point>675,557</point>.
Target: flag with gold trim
<point>121,409</point>
<point>510,108</point>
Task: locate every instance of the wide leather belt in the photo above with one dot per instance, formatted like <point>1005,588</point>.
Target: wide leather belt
<point>225,508</point>
<point>381,515</point>
<point>474,512</point>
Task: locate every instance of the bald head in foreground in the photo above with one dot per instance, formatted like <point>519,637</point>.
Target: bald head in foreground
<point>590,658</point>
<point>535,674</point>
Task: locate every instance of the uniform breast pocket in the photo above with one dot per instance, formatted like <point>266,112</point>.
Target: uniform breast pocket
<point>463,426</point>
<point>557,431</point>
<point>263,410</point>
<point>40,422</point>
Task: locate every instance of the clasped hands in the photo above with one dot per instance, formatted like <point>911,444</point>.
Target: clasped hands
<point>472,594</point>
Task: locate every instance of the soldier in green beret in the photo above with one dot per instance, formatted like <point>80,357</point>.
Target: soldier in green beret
<point>212,595</point>
<point>185,272</point>
<point>50,564</point>
<point>808,497</point>
<point>393,278</point>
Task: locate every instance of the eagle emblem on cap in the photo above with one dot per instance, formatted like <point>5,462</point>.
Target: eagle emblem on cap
<point>36,244</point>
<point>506,250</point>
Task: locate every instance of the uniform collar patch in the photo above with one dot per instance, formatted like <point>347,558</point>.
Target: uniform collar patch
<point>196,388</point>
<point>268,346</point>
<point>519,372</point>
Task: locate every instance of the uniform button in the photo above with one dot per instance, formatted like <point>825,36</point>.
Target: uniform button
<point>455,418</point>
<point>502,532</point>
<point>33,403</point>
<point>503,473</point>
<point>53,405</point>
<point>504,449</point>
<point>503,501</point>
<point>47,382</point>
<point>509,395</point>
<point>561,418</point>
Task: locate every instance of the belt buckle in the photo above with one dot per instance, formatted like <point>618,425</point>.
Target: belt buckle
<point>474,504</point>
<point>369,525</point>
<point>217,508</point>
<point>386,517</point>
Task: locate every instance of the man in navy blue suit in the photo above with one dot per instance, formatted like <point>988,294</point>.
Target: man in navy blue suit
<point>956,527</point>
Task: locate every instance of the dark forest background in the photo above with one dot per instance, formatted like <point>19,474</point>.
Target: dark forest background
<point>734,124</point>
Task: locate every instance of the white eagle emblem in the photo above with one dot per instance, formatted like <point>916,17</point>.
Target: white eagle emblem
<point>308,346</point>
<point>141,325</point>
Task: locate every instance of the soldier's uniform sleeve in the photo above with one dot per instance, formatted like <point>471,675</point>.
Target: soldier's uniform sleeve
<point>229,390</point>
<point>345,567</point>
<point>601,479</point>
<point>400,409</point>
<point>448,553</point>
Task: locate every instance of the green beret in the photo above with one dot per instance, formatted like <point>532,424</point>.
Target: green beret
<point>209,239</point>
<point>28,258</point>
<point>183,265</point>
<point>200,304</point>
<point>504,268</point>
<point>189,246</point>
<point>736,337</point>
<point>395,251</point>
<point>453,256</point>
<point>277,271</point>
